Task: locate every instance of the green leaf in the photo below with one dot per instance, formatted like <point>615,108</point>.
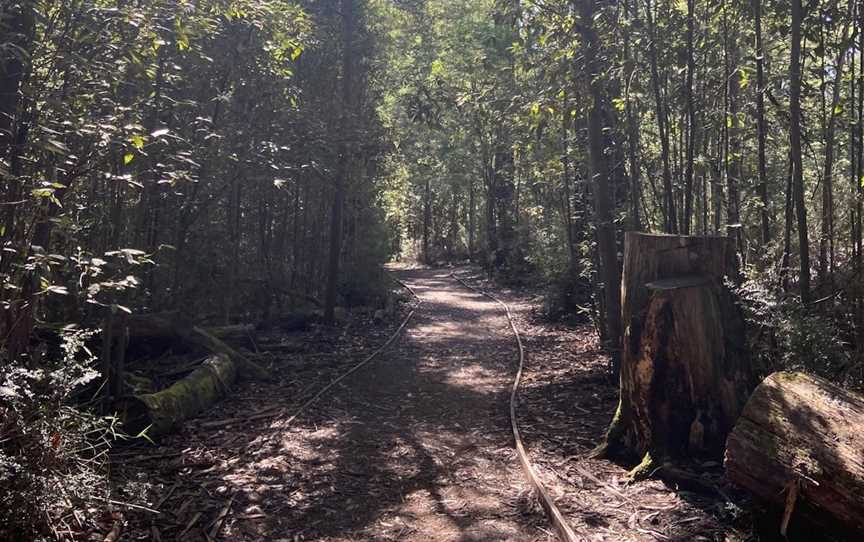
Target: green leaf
<point>127,158</point>
<point>137,141</point>
<point>744,80</point>
<point>42,192</point>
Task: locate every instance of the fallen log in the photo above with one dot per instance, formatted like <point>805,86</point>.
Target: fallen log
<point>167,327</point>
<point>240,333</point>
<point>159,412</point>
<point>799,438</point>
<point>202,338</point>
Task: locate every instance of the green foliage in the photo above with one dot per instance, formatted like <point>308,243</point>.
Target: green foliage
<point>52,456</point>
<point>786,336</point>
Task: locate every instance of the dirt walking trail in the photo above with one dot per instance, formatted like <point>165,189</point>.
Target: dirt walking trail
<point>417,446</point>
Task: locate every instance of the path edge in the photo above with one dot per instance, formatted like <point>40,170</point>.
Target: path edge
<point>556,517</point>
<point>396,334</point>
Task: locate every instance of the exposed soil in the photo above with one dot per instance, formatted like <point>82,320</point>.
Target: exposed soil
<point>417,445</point>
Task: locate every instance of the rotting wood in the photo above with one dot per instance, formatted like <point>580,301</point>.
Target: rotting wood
<point>172,327</point>
<point>685,372</point>
<point>804,432</point>
<point>159,412</point>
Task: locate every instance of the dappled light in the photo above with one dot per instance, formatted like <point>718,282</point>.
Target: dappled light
<point>431,270</point>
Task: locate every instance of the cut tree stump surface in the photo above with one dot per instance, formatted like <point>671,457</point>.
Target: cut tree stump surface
<point>414,447</point>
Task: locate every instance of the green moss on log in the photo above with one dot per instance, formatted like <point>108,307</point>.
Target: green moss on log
<point>158,413</point>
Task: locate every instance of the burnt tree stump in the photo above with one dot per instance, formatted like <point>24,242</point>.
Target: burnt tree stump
<point>801,434</point>
<point>685,373</point>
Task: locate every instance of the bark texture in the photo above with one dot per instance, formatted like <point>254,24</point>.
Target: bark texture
<point>802,430</point>
<point>685,374</point>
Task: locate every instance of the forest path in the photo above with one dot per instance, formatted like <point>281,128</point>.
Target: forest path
<point>417,446</point>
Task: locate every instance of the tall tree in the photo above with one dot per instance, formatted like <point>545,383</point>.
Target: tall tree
<point>602,173</point>
<point>341,182</point>
<point>762,168</point>
<point>795,151</point>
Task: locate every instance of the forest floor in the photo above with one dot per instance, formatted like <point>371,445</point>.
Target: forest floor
<point>415,446</point>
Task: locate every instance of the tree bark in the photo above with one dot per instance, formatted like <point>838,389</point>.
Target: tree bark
<point>685,372</point>
<point>802,431</point>
<point>764,212</point>
<point>671,225</point>
<point>341,184</point>
<point>691,120</point>
<point>602,171</point>
<point>795,151</point>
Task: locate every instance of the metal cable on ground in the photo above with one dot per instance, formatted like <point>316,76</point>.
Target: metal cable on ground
<point>363,363</point>
<point>552,511</point>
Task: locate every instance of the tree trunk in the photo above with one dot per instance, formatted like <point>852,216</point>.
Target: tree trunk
<point>802,433</point>
<point>602,170</point>
<point>795,151</point>
<point>427,220</point>
<point>14,58</point>
<point>158,413</point>
<point>691,120</point>
<point>685,373</point>
<point>761,126</point>
<point>671,225</point>
<point>341,183</point>
<point>168,327</point>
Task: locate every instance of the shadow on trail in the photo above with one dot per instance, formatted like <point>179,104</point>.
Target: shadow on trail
<point>417,446</point>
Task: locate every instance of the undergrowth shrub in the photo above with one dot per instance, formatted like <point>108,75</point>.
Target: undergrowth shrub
<point>52,455</point>
<point>784,335</point>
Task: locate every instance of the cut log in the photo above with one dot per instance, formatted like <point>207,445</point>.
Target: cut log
<point>804,432</point>
<point>159,412</point>
<point>685,370</point>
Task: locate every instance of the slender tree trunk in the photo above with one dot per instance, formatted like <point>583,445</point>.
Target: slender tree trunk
<point>732,144</point>
<point>764,211</point>
<point>632,120</point>
<point>472,219</point>
<point>671,225</point>
<point>691,119</point>
<point>795,151</point>
<point>341,181</point>
<point>427,219</point>
<point>602,172</point>
<point>858,191</point>
<point>826,240</point>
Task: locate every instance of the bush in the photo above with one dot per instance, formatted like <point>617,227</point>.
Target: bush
<point>52,456</point>
<point>785,336</point>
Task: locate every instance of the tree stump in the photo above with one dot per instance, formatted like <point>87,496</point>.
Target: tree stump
<point>685,372</point>
<point>802,434</point>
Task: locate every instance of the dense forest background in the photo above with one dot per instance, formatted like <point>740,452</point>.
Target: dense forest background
<point>237,160</point>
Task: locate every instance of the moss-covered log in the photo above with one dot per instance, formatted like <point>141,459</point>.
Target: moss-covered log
<point>159,412</point>
<point>804,432</point>
<point>685,372</point>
